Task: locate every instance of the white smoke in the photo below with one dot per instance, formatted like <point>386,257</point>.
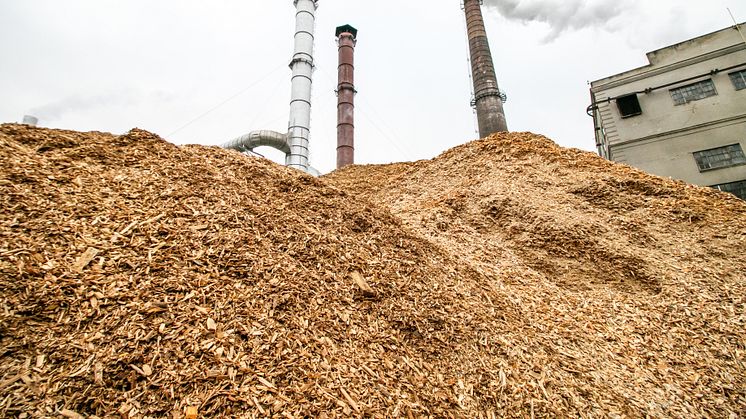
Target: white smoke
<point>79,103</point>
<point>111,101</point>
<point>563,15</point>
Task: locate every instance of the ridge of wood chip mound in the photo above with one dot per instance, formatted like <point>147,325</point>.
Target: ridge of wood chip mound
<point>506,278</point>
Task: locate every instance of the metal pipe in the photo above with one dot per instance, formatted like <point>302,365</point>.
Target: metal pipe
<point>737,25</point>
<point>256,139</point>
<point>30,120</point>
<point>488,100</point>
<point>594,103</point>
<point>300,101</point>
<point>346,40</point>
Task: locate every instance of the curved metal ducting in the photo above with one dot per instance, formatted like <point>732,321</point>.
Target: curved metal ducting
<point>295,143</point>
<point>256,139</point>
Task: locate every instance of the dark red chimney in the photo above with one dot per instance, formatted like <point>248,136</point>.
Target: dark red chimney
<point>346,40</point>
<point>487,97</point>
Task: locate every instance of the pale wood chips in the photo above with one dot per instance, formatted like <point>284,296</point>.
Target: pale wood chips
<point>506,278</point>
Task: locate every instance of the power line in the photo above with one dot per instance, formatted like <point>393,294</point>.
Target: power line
<point>406,154</point>
<point>475,121</point>
<point>386,137</point>
<point>239,93</point>
<point>264,108</point>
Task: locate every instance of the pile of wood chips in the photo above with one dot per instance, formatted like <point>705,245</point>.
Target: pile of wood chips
<point>615,293</point>
<point>505,278</point>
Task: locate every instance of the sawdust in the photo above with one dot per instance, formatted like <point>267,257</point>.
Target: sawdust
<point>508,277</point>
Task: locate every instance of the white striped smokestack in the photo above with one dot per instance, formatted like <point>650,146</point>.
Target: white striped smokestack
<point>299,125</point>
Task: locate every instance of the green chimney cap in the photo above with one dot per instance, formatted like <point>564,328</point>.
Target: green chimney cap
<point>346,28</point>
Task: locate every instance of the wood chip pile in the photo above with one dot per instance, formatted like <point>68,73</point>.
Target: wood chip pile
<point>629,288</point>
<point>506,278</point>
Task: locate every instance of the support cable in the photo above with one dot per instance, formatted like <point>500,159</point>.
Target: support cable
<point>219,105</point>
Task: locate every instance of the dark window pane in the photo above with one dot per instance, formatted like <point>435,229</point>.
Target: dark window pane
<point>695,91</point>
<point>718,158</point>
<point>628,105</point>
<point>736,188</point>
<point>739,79</point>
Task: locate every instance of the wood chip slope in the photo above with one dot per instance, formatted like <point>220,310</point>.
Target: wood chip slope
<point>140,279</point>
<point>630,287</point>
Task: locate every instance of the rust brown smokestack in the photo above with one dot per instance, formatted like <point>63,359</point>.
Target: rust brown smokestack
<point>487,97</point>
<point>346,40</point>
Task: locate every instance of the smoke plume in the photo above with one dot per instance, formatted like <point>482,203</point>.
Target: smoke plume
<point>561,16</point>
<point>79,103</point>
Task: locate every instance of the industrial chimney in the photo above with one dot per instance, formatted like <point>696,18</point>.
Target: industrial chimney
<point>294,143</point>
<point>488,100</point>
<point>346,40</point>
<point>302,66</point>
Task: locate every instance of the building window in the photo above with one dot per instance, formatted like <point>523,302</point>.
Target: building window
<point>628,105</point>
<point>736,188</point>
<point>695,91</point>
<point>718,158</point>
<point>739,79</point>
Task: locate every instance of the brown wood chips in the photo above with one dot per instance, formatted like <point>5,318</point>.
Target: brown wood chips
<point>506,278</point>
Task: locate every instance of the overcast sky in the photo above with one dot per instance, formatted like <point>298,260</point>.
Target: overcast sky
<point>207,71</point>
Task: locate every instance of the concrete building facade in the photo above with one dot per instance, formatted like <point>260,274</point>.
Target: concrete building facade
<point>683,115</point>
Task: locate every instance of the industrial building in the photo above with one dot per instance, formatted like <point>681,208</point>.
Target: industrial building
<point>683,115</point>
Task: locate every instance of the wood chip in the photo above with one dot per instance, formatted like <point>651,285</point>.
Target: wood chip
<point>349,399</point>
<point>139,370</point>
<point>362,284</point>
<point>265,382</point>
<point>85,259</point>
<point>70,414</point>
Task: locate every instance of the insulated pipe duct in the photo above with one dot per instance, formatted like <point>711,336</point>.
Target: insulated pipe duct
<point>256,139</point>
<point>300,100</point>
<point>487,97</point>
<point>346,40</point>
<point>30,120</point>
